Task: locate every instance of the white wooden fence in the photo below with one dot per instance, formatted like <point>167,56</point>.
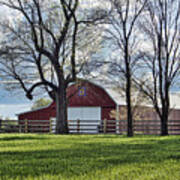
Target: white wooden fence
<point>87,126</point>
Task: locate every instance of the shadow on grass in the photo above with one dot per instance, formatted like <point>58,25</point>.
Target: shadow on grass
<point>14,138</point>
<point>82,158</point>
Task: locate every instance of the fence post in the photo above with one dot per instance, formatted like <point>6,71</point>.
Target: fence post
<point>78,125</point>
<point>26,126</point>
<point>105,126</point>
<point>117,120</point>
<point>20,127</point>
<point>0,124</point>
<point>50,125</point>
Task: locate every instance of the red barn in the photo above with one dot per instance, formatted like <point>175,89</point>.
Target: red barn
<point>86,101</point>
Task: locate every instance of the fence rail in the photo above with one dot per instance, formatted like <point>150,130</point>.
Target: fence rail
<point>88,126</point>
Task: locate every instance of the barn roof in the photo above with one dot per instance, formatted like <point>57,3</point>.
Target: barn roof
<point>175,100</point>
<point>120,99</point>
<point>34,110</point>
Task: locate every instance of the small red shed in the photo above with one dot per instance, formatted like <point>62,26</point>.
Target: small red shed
<point>86,101</point>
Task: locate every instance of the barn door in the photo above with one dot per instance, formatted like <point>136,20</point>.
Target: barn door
<point>89,117</point>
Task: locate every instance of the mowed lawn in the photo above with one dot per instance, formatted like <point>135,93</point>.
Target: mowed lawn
<point>89,157</point>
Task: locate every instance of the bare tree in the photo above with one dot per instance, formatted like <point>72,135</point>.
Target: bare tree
<point>121,33</point>
<point>161,55</point>
<point>45,46</point>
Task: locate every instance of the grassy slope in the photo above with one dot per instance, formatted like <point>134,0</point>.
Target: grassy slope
<point>89,157</point>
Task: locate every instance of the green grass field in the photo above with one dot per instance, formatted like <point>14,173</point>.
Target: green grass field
<point>89,157</point>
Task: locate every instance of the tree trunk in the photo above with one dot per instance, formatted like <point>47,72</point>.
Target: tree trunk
<point>129,108</point>
<point>61,112</point>
<point>164,123</point>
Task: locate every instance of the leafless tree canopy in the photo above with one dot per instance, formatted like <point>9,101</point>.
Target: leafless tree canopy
<point>161,58</point>
<point>144,39</point>
<point>47,44</point>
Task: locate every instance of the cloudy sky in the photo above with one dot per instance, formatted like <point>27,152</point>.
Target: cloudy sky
<point>12,103</point>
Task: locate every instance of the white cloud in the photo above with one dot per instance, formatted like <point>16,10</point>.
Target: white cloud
<point>10,110</point>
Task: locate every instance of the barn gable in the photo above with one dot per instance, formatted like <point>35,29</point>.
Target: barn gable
<point>88,94</point>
